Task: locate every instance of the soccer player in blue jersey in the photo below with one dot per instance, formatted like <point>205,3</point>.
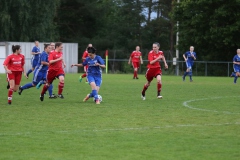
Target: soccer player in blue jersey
<point>236,66</point>
<point>35,52</point>
<point>40,72</point>
<point>94,73</point>
<point>189,58</point>
<point>52,44</point>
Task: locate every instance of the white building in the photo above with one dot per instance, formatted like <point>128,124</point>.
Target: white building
<point>70,54</point>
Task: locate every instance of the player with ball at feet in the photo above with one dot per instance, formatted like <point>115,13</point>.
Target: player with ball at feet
<point>94,73</point>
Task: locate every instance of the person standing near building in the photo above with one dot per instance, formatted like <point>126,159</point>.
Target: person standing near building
<point>36,54</point>
<point>154,69</point>
<point>94,73</point>
<point>236,66</point>
<point>56,65</point>
<point>14,66</point>
<point>136,58</point>
<point>189,57</point>
<point>84,56</point>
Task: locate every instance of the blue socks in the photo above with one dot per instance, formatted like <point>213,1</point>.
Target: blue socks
<point>94,94</point>
<point>190,75</point>
<point>26,86</point>
<point>235,79</point>
<point>50,89</point>
<point>185,73</point>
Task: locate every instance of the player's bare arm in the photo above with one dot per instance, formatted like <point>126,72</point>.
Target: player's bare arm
<point>165,62</point>
<point>44,63</point>
<point>157,59</point>
<point>64,64</point>
<point>193,56</point>
<point>78,65</point>
<point>185,59</point>
<point>55,60</point>
<point>7,70</point>
<point>236,62</point>
<point>129,61</point>
<point>100,65</point>
<point>34,53</point>
<point>24,73</point>
<point>141,60</point>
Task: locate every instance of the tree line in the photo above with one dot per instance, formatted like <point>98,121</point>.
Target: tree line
<point>212,27</point>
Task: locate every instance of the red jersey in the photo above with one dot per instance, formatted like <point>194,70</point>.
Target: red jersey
<point>151,56</point>
<point>15,62</point>
<point>135,56</point>
<point>85,55</point>
<point>52,56</point>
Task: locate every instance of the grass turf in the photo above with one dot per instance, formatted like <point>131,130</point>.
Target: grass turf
<point>194,120</point>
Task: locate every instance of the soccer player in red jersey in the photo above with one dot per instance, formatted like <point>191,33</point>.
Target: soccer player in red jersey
<point>154,69</point>
<point>56,64</point>
<point>84,56</point>
<point>14,66</point>
<point>136,58</point>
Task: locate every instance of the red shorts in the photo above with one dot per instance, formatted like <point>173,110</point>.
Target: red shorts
<point>16,76</point>
<point>135,64</point>
<point>52,74</point>
<point>152,73</point>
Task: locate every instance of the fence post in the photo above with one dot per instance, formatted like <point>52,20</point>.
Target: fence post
<point>205,68</point>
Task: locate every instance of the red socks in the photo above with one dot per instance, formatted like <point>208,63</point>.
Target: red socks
<point>84,75</point>
<point>10,93</point>
<point>45,87</point>
<point>60,88</point>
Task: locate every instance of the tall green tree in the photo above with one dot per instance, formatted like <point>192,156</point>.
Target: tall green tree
<point>24,20</point>
<point>211,26</point>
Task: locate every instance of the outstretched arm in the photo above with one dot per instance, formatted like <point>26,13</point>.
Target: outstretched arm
<point>78,65</point>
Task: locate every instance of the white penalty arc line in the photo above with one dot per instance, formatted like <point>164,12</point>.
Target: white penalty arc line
<point>185,104</point>
<point>115,129</point>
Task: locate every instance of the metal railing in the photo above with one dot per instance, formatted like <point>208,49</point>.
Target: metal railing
<point>200,68</point>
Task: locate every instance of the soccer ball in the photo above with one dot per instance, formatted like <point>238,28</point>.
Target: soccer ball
<point>99,98</point>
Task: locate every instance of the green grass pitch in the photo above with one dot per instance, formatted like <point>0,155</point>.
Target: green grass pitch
<point>195,120</point>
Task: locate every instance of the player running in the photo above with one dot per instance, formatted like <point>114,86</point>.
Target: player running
<point>36,54</point>
<point>236,66</point>
<point>94,73</point>
<point>56,65</point>
<point>154,69</point>
<point>136,58</point>
<point>84,56</point>
<point>189,58</point>
<point>40,72</point>
<point>14,66</point>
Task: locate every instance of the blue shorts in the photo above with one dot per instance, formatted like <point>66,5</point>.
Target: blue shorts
<point>236,68</point>
<point>93,78</point>
<point>34,63</point>
<point>189,65</point>
<point>38,76</point>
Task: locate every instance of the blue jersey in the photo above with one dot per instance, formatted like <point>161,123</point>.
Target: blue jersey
<point>43,58</point>
<point>36,50</point>
<point>189,57</point>
<point>92,68</point>
<point>236,67</point>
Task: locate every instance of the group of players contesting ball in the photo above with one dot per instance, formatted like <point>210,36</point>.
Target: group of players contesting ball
<point>49,65</point>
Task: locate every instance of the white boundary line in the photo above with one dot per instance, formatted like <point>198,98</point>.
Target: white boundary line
<point>185,104</point>
<point>117,129</point>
